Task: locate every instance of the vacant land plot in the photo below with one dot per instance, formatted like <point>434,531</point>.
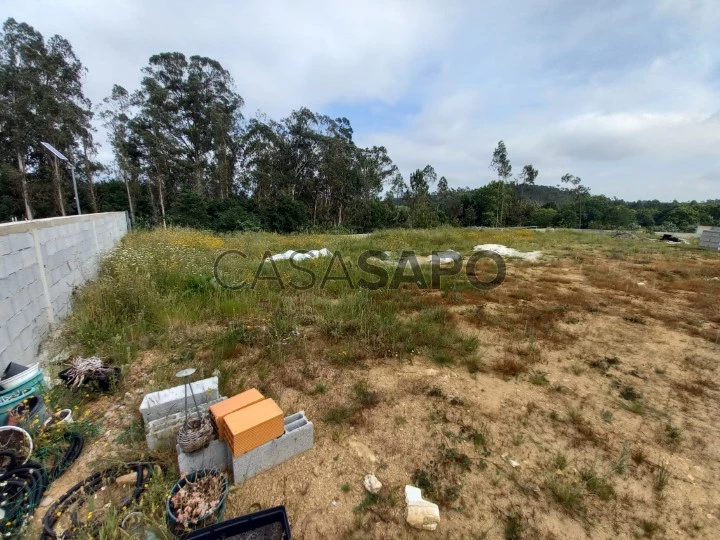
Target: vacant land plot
<point>578,399</point>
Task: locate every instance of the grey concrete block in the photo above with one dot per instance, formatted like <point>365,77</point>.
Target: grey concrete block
<point>172,400</point>
<point>214,456</point>
<point>298,438</point>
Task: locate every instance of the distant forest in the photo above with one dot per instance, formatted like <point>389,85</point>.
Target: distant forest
<point>184,154</point>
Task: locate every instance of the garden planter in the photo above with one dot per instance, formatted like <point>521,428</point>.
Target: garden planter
<point>63,416</point>
<point>270,524</point>
<point>182,518</point>
<point>28,414</point>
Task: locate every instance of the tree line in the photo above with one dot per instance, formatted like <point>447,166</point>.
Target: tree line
<point>184,154</point>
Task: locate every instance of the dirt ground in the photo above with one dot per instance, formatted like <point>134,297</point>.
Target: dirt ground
<point>591,413</point>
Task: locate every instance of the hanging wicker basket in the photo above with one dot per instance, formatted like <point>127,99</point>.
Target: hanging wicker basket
<point>195,435</point>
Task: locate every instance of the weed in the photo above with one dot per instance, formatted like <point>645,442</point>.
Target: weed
<point>604,364</point>
<point>568,495</point>
<point>400,420</point>
<point>510,367</point>
<point>480,438</point>
<point>441,478</point>
<point>338,415</point>
<point>442,357</point>
<point>132,434</point>
<point>597,485</point>
<point>661,478</point>
<point>514,525</point>
<point>650,528</point>
<point>621,464</point>
<point>539,378</point>
<point>366,398</point>
<point>635,319</point>
<point>377,504</point>
<point>319,389</point>
<point>577,369</point>
<point>635,407</point>
<point>638,455</point>
<point>629,393</point>
<point>673,435</point>
<point>554,415</point>
<point>345,487</point>
<point>560,462</point>
<point>607,416</point>
<point>518,439</point>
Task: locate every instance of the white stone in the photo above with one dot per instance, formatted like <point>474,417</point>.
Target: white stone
<point>421,514</point>
<point>371,483</point>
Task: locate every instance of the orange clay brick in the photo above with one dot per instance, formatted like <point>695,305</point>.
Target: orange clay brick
<point>235,403</point>
<point>254,425</point>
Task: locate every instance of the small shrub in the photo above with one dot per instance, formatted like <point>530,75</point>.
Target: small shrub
<point>673,435</point>
<point>560,462</point>
<point>650,528</point>
<point>661,478</point>
<point>539,378</point>
<point>638,455</point>
<point>635,319</point>
<point>514,525</point>
<point>568,495</point>
<point>510,367</point>
<point>597,485</point>
<point>338,415</point>
<point>320,388</point>
<point>366,398</point>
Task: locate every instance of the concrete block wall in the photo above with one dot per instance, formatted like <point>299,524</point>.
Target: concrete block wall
<point>41,263</point>
<point>710,239</point>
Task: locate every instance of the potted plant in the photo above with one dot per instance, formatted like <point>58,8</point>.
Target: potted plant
<point>197,500</point>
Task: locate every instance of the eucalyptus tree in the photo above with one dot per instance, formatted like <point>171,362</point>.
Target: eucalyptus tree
<point>501,165</point>
<point>41,100</point>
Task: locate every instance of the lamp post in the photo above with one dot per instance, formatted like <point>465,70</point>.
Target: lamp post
<point>55,152</point>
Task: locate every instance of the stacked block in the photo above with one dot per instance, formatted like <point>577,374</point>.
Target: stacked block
<point>710,239</point>
<point>235,403</point>
<point>253,426</point>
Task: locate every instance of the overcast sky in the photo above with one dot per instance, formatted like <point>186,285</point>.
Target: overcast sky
<point>625,94</point>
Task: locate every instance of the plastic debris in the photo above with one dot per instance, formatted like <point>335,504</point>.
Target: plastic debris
<point>512,253</point>
<point>421,514</point>
<point>296,256</point>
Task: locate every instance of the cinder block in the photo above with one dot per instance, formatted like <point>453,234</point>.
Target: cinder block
<point>20,241</point>
<point>216,455</point>
<point>296,439</point>
<point>164,402</point>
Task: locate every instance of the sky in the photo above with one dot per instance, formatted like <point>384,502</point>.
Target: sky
<point>624,94</point>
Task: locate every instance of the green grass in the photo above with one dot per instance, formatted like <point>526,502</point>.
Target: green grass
<point>568,495</point>
<point>596,484</point>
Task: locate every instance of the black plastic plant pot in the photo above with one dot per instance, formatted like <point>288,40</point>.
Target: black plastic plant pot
<point>183,529</point>
<point>270,524</point>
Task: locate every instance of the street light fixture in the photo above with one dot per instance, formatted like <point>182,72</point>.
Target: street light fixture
<point>54,151</point>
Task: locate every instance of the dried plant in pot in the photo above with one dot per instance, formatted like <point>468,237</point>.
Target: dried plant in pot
<point>197,500</point>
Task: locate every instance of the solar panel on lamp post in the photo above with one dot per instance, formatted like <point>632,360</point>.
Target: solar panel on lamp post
<point>55,152</point>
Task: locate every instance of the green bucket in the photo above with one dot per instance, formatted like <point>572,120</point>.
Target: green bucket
<point>11,398</point>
